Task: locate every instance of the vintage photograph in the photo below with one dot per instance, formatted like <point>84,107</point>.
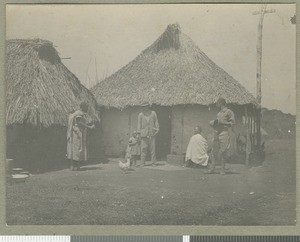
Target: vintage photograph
<point>151,114</point>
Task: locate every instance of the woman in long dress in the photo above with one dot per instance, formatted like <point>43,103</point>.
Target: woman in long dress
<point>76,136</point>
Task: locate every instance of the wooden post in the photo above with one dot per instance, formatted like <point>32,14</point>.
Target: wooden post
<point>172,125</point>
<point>248,141</point>
<point>96,67</point>
<point>182,129</point>
<point>262,13</point>
<point>250,126</point>
<point>129,122</point>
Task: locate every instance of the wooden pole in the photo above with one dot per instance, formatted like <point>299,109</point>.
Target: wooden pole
<point>251,128</point>
<point>182,130</point>
<point>129,122</point>
<point>259,54</point>
<point>262,13</point>
<point>248,141</point>
<point>96,67</point>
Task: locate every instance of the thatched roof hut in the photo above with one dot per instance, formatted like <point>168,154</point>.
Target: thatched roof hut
<point>40,88</point>
<point>41,92</point>
<point>172,71</point>
<point>181,82</point>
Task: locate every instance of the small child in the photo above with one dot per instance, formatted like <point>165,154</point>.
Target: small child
<point>133,149</point>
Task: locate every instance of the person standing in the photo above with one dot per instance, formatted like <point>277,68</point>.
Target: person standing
<point>76,136</point>
<point>148,128</point>
<point>133,150</point>
<point>221,144</point>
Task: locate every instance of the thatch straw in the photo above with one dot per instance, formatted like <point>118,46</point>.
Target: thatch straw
<point>40,89</point>
<point>172,71</point>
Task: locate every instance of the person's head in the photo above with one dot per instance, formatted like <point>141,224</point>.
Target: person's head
<point>134,133</point>
<point>198,129</point>
<point>146,106</point>
<point>84,107</point>
<point>221,102</point>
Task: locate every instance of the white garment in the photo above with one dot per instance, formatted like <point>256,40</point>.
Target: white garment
<point>197,150</point>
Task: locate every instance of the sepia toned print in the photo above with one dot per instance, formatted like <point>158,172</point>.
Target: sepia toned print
<point>151,114</point>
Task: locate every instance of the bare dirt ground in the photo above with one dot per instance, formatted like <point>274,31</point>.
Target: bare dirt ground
<point>164,195</point>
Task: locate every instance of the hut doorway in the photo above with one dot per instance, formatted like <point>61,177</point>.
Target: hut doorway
<point>163,139</point>
<point>37,150</point>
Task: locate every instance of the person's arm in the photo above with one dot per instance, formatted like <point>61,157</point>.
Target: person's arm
<point>223,121</point>
<point>132,141</point>
<point>86,126</point>
<point>83,124</point>
<point>139,125</point>
<point>98,117</point>
<point>231,118</point>
<point>156,124</point>
<point>228,120</point>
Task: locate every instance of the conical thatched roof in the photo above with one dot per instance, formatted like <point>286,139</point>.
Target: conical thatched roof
<point>172,71</point>
<point>40,88</point>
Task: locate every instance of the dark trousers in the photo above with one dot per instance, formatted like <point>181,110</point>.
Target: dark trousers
<point>217,157</point>
<point>148,144</point>
<point>219,150</point>
<point>133,159</point>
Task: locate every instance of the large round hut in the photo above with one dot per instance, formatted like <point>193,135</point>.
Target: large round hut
<point>183,85</point>
<point>41,92</point>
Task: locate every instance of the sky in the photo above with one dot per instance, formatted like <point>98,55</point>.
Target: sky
<point>100,39</point>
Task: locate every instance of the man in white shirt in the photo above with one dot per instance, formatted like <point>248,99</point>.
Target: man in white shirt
<point>147,129</point>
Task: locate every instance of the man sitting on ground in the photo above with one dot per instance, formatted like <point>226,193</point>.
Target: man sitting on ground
<point>197,149</point>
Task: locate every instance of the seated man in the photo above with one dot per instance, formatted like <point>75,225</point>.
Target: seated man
<point>197,149</point>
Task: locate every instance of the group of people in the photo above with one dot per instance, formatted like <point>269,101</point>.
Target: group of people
<point>198,151</point>
<point>143,139</point>
<point>142,142</point>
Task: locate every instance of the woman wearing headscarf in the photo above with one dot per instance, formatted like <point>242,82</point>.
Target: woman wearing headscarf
<point>76,136</point>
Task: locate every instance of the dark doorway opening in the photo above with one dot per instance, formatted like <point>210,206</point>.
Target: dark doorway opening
<point>163,139</point>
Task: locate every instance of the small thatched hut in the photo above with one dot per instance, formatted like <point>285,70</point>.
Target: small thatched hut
<point>40,94</point>
<point>181,82</point>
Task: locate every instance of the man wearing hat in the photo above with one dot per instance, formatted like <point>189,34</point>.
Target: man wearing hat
<point>225,120</point>
<point>147,129</point>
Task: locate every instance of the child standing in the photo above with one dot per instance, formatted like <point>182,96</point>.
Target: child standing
<point>133,150</point>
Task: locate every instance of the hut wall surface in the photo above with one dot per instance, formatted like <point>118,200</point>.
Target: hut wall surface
<point>116,130</point>
<point>95,145</point>
<point>42,150</point>
<point>185,118</point>
<point>118,126</point>
<point>37,150</point>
